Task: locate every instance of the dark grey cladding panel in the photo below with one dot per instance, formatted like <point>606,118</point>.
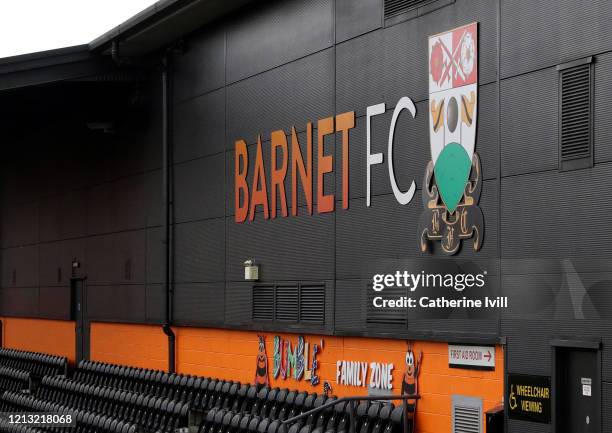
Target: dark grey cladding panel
<point>19,181</point>
<point>529,122</point>
<point>100,209</point>
<point>56,261</point>
<point>20,224</point>
<point>155,255</point>
<point>202,67</point>
<point>199,188</point>
<point>328,178</point>
<point>60,174</point>
<point>130,206</point>
<point>487,138</point>
<point>603,108</point>
<point>330,299</point>
<point>275,33</point>
<point>349,304</point>
<point>200,251</point>
<point>155,303</point>
<point>103,303</point>
<point>153,198</point>
<point>468,324</point>
<point>199,304</point>
<point>554,214</point>
<point>290,95</point>
<point>100,255</point>
<point>381,235</point>
<point>118,258</point>
<point>555,31</point>
<point>528,340</point>
<point>61,217</point>
<point>384,65</point>
<point>411,150</point>
<point>361,74</point>
<point>577,297</point>
<point>55,303</point>
<point>125,204</point>
<point>137,143</point>
<point>388,230</point>
<point>199,126</point>
<point>292,248</point>
<point>20,266</point>
<point>355,17</point>
<point>19,301</point>
<point>552,265</point>
<point>98,161</point>
<point>238,303</point>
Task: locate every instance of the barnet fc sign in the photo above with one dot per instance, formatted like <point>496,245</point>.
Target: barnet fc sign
<point>452,181</point>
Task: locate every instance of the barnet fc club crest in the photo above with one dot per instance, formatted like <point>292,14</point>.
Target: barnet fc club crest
<point>453,178</point>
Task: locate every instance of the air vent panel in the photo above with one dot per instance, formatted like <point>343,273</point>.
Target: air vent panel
<point>385,316</point>
<point>467,414</point>
<point>287,303</point>
<point>398,7</point>
<point>263,303</point>
<point>312,304</point>
<point>575,116</point>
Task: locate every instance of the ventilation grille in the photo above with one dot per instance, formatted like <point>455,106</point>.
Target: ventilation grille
<point>385,316</point>
<point>575,117</point>
<point>287,304</point>
<point>263,303</point>
<point>467,415</point>
<point>312,304</point>
<point>398,7</point>
<point>290,303</point>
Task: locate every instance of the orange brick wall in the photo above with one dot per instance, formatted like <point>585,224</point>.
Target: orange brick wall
<point>229,354</point>
<point>135,345</point>
<point>56,337</point>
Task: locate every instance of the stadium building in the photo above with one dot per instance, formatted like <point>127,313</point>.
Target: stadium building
<point>307,198</point>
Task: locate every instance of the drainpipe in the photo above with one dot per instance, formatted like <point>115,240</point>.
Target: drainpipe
<point>167,203</point>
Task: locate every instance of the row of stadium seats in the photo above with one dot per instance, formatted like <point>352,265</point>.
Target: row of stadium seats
<point>39,364</point>
<point>233,403</point>
<point>158,401</point>
<point>13,379</point>
<point>150,412</point>
<point>141,380</point>
<point>370,418</point>
<point>86,422</point>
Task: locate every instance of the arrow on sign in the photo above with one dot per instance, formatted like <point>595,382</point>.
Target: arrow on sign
<point>488,355</point>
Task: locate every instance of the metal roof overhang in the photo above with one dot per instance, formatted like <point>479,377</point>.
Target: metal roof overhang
<point>163,23</point>
<point>51,66</point>
<point>150,30</point>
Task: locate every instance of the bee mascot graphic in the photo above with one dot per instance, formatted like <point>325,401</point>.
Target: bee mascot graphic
<point>453,178</point>
<point>261,369</point>
<point>410,386</point>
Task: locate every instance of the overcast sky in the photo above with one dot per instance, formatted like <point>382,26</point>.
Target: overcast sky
<point>27,26</point>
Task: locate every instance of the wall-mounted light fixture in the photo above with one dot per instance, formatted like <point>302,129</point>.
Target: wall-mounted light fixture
<point>251,270</point>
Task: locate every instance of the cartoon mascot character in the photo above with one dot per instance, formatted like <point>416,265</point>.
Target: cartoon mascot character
<point>410,386</point>
<point>261,370</point>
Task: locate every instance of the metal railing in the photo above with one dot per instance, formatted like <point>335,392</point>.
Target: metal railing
<point>352,406</point>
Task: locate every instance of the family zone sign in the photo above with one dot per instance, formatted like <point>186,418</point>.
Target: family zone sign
<point>452,181</point>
